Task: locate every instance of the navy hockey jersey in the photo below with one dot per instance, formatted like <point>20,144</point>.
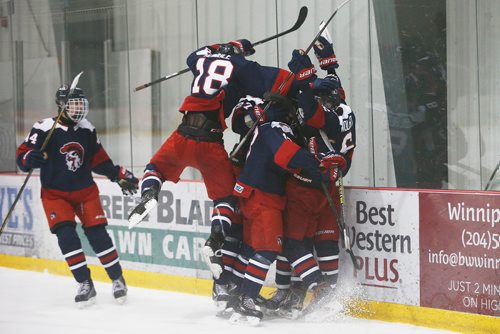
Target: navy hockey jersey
<point>221,80</point>
<point>338,125</point>
<point>271,158</point>
<point>73,153</point>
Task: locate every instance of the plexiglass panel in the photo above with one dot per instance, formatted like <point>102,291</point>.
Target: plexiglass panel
<point>421,76</point>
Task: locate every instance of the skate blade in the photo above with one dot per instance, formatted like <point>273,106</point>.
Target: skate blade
<point>121,300</point>
<point>225,313</point>
<point>220,304</point>
<point>85,304</point>
<point>135,218</point>
<point>215,268</point>
<point>289,314</point>
<point>238,319</point>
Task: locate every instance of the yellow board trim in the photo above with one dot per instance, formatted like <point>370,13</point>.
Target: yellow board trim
<point>415,315</point>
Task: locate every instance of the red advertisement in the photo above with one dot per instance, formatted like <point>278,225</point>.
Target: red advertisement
<point>460,252</point>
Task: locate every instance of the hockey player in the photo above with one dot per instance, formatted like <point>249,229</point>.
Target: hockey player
<point>309,221</point>
<point>250,109</point>
<point>272,156</point>
<point>222,75</point>
<point>68,189</point>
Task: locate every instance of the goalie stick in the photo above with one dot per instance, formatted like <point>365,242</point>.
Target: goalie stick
<point>44,145</point>
<point>300,20</point>
<point>280,88</point>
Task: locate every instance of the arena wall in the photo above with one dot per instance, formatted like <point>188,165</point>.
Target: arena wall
<point>428,258</point>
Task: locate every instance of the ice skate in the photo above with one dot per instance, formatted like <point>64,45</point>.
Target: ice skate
<point>148,201</point>
<point>285,303</point>
<point>85,295</point>
<point>222,293</point>
<point>321,295</point>
<point>291,307</point>
<point>120,290</point>
<point>246,312</point>
<point>272,304</point>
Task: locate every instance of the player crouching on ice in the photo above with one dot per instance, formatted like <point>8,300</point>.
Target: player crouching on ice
<point>68,189</point>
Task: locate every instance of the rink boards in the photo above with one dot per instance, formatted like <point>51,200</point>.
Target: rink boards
<point>427,257</point>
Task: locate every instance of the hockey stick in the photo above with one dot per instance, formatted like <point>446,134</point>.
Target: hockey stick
<point>345,237</point>
<point>300,20</point>
<point>278,91</point>
<point>340,217</point>
<point>44,145</point>
<point>492,176</point>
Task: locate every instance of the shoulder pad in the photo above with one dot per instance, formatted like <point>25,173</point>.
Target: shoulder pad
<point>44,124</point>
<point>283,126</point>
<point>85,124</point>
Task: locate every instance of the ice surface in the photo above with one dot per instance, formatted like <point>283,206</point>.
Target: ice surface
<point>32,302</point>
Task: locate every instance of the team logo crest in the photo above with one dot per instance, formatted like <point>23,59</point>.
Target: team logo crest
<point>74,155</point>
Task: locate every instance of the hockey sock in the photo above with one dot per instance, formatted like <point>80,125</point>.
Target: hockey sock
<point>283,272</point>
<point>223,213</point>
<point>256,272</point>
<point>71,248</point>
<point>231,249</point>
<point>151,178</point>
<point>103,247</point>
<point>327,252</point>
<point>302,261</point>
<point>241,262</point>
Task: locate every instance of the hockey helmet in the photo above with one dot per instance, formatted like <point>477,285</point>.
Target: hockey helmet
<point>331,99</point>
<point>75,105</point>
<point>239,47</point>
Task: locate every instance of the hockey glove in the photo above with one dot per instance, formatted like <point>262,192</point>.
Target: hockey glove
<point>333,159</point>
<point>35,159</point>
<point>302,67</point>
<point>323,50</point>
<point>252,108</point>
<point>127,181</point>
<point>330,174</point>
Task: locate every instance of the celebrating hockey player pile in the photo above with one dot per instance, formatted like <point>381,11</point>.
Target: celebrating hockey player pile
<point>272,196</point>
<point>268,198</point>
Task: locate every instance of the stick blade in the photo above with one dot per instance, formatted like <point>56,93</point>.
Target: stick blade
<point>301,18</point>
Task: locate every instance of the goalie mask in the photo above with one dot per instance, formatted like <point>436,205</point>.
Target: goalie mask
<point>75,106</point>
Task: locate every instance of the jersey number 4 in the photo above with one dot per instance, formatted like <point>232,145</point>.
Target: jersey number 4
<point>217,76</point>
<point>33,138</point>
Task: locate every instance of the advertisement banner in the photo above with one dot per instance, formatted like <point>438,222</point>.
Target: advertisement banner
<point>384,236</point>
<point>460,252</point>
<point>170,238</point>
<point>20,235</point>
